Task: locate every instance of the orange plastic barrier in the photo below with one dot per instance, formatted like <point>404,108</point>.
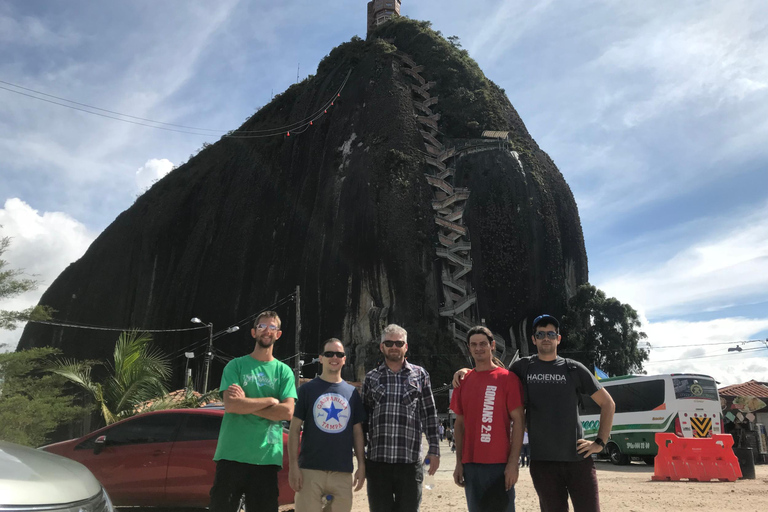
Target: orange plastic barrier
<point>699,459</point>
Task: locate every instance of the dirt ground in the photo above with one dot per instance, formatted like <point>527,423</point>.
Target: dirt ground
<point>622,488</point>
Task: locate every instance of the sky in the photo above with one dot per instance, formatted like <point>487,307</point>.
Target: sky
<point>656,113</point>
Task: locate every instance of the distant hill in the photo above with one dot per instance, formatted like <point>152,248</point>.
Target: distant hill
<point>391,207</point>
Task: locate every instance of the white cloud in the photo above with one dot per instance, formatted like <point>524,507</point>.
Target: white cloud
<point>726,266</point>
<point>678,346</point>
<point>153,170</point>
<point>689,56</point>
<point>43,245</point>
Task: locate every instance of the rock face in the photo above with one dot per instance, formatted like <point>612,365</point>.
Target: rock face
<point>390,207</point>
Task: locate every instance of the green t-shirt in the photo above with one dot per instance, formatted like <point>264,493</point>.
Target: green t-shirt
<point>246,437</point>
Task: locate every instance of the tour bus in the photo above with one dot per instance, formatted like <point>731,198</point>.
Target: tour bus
<point>681,403</point>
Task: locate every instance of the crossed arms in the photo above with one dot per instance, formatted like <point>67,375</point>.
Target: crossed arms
<point>269,408</point>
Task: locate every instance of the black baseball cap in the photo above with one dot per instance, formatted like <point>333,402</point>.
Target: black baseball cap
<point>546,320</point>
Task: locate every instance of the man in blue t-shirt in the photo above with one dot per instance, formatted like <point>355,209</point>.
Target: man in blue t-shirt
<point>331,412</point>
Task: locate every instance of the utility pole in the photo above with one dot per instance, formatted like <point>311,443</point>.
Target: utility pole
<point>297,350</point>
<point>208,356</point>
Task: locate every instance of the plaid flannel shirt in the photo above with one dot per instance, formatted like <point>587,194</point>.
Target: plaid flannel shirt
<point>400,407</point>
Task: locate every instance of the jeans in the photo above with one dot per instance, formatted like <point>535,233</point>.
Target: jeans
<point>484,488</point>
<point>554,481</point>
<point>233,479</point>
<point>394,487</point>
<point>525,455</point>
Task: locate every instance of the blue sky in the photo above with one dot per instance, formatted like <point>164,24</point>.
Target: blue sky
<point>656,113</point>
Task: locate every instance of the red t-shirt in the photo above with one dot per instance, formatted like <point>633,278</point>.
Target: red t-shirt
<point>485,399</point>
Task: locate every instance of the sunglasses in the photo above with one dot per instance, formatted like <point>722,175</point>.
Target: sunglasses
<point>549,334</point>
<point>330,353</point>
<point>390,343</point>
<point>265,326</point>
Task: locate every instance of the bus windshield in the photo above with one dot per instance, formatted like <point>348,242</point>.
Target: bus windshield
<point>694,388</point>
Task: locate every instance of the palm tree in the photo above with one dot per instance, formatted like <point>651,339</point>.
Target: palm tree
<point>138,374</point>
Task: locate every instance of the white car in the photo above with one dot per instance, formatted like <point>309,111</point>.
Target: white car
<point>34,480</point>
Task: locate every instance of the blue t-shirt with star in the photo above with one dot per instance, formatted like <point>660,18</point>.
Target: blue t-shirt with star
<point>329,411</point>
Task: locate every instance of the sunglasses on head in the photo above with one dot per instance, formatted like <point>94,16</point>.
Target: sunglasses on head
<point>390,343</point>
<point>540,335</point>
<point>265,326</point>
<point>331,353</point>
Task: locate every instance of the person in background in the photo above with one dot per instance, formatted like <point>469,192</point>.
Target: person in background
<point>525,454</point>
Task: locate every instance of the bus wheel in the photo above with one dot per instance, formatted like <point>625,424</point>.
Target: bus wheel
<point>617,458</point>
<point>649,459</point>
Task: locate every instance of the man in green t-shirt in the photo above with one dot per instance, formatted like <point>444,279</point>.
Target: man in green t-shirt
<point>259,393</point>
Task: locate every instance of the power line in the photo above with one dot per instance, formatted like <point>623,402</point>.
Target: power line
<point>101,115</point>
<point>653,346</point>
<point>98,328</point>
<point>102,109</point>
<point>236,134</point>
<point>705,356</point>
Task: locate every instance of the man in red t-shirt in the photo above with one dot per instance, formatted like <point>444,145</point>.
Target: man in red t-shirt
<point>490,397</point>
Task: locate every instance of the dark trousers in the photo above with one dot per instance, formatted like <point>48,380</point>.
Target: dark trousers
<point>233,479</point>
<point>484,487</point>
<point>554,481</point>
<point>394,487</point>
<point>525,455</point>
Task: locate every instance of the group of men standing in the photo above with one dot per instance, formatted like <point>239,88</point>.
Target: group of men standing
<point>395,407</point>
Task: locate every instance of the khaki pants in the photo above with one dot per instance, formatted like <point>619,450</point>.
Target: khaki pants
<point>322,483</point>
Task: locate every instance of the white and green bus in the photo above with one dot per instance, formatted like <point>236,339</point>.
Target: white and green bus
<point>684,404</point>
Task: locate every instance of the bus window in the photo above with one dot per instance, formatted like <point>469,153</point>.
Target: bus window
<point>694,387</point>
<point>638,396</point>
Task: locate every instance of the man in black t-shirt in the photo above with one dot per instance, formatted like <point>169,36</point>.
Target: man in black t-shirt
<point>331,412</point>
<point>561,462</point>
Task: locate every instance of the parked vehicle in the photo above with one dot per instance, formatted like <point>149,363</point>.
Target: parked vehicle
<point>32,480</point>
<point>681,403</point>
<point>159,459</point>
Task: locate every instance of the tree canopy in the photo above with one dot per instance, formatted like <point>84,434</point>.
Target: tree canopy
<point>602,331</point>
<point>32,401</point>
<point>12,283</point>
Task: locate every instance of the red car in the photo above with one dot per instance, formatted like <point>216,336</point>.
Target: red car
<point>158,459</point>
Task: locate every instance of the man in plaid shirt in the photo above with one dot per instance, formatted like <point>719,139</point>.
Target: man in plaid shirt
<point>398,398</point>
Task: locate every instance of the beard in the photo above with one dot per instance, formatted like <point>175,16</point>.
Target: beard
<point>394,356</point>
<point>265,343</point>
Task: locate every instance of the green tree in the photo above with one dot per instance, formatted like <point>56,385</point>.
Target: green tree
<point>11,284</point>
<point>602,331</point>
<point>32,400</point>
<point>137,375</point>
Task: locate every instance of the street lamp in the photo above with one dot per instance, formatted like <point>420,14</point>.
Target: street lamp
<point>187,374</point>
<point>209,352</point>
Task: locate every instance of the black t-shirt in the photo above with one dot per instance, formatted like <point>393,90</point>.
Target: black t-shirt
<point>552,411</point>
<point>329,411</point>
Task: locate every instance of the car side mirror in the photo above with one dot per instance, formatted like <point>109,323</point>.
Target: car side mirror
<point>99,445</point>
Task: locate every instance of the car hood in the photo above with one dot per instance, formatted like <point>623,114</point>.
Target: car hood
<point>35,477</point>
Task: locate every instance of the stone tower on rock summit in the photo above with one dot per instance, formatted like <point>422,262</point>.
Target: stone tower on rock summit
<point>380,11</point>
